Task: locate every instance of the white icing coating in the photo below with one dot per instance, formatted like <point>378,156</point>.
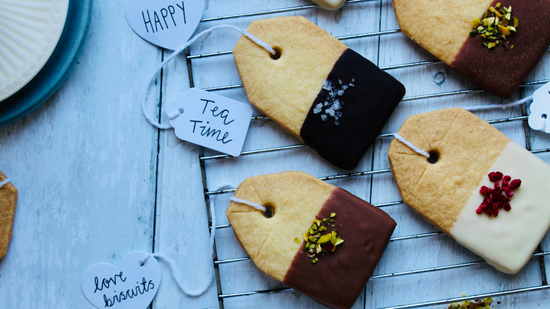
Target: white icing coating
<point>508,241</point>
<point>330,4</point>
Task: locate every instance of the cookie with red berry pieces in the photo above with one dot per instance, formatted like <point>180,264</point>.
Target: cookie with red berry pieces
<point>316,88</point>
<point>8,203</point>
<point>318,239</point>
<point>494,43</point>
<point>484,190</point>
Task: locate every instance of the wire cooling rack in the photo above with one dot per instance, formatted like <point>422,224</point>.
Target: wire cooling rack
<point>352,176</point>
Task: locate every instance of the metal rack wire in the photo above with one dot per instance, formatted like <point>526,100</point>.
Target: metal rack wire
<point>221,296</point>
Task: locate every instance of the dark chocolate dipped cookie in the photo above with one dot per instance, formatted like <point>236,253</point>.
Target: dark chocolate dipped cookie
<point>305,211</point>
<point>445,28</point>
<point>327,95</point>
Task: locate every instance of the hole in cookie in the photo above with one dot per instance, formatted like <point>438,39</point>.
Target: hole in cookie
<point>269,211</point>
<point>278,53</point>
<point>544,116</point>
<point>434,157</point>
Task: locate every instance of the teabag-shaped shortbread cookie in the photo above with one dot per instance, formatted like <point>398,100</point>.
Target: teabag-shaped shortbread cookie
<point>443,28</point>
<point>336,270</point>
<point>8,203</point>
<point>503,222</point>
<point>324,93</point>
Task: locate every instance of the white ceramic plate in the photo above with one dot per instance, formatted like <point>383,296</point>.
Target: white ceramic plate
<point>29,32</point>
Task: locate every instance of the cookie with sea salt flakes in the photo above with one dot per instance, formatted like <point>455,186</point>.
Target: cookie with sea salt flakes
<point>8,202</point>
<point>316,88</point>
<point>484,190</point>
<point>496,59</point>
<point>320,239</point>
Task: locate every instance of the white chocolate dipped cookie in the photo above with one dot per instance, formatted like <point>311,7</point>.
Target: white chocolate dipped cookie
<point>487,192</point>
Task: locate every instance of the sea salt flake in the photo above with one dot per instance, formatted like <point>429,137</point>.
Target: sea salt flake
<point>341,92</point>
<point>324,117</point>
<point>318,108</point>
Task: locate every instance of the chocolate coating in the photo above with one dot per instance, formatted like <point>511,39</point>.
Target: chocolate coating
<point>338,278</point>
<point>500,71</point>
<point>365,108</point>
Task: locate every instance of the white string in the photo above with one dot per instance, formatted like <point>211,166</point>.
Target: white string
<point>181,49</point>
<point>172,264</point>
<point>495,106</point>
<point>410,145</point>
<point>4,182</point>
<point>248,203</point>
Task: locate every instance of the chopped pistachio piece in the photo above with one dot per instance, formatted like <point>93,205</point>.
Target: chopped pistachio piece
<point>324,239</point>
<point>495,26</point>
<point>318,248</point>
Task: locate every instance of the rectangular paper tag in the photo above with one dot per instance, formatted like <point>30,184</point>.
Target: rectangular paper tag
<point>210,120</point>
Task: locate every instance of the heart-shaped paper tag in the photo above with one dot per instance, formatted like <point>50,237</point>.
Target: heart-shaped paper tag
<point>540,109</point>
<point>131,285</point>
<point>165,23</point>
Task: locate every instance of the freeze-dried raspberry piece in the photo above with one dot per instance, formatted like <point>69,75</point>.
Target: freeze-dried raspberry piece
<point>498,197</point>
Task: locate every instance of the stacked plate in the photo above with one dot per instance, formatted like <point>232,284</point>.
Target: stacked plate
<point>39,43</point>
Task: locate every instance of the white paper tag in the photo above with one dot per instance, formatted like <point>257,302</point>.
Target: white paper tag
<point>210,120</point>
<point>165,23</point>
<point>540,109</point>
<point>131,285</point>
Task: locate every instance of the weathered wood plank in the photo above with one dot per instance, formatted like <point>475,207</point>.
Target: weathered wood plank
<point>85,167</point>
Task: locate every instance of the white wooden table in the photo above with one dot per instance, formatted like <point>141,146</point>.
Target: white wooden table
<point>97,181</point>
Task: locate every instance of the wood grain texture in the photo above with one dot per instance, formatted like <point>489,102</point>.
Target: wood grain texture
<point>85,167</point>
<point>91,171</point>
